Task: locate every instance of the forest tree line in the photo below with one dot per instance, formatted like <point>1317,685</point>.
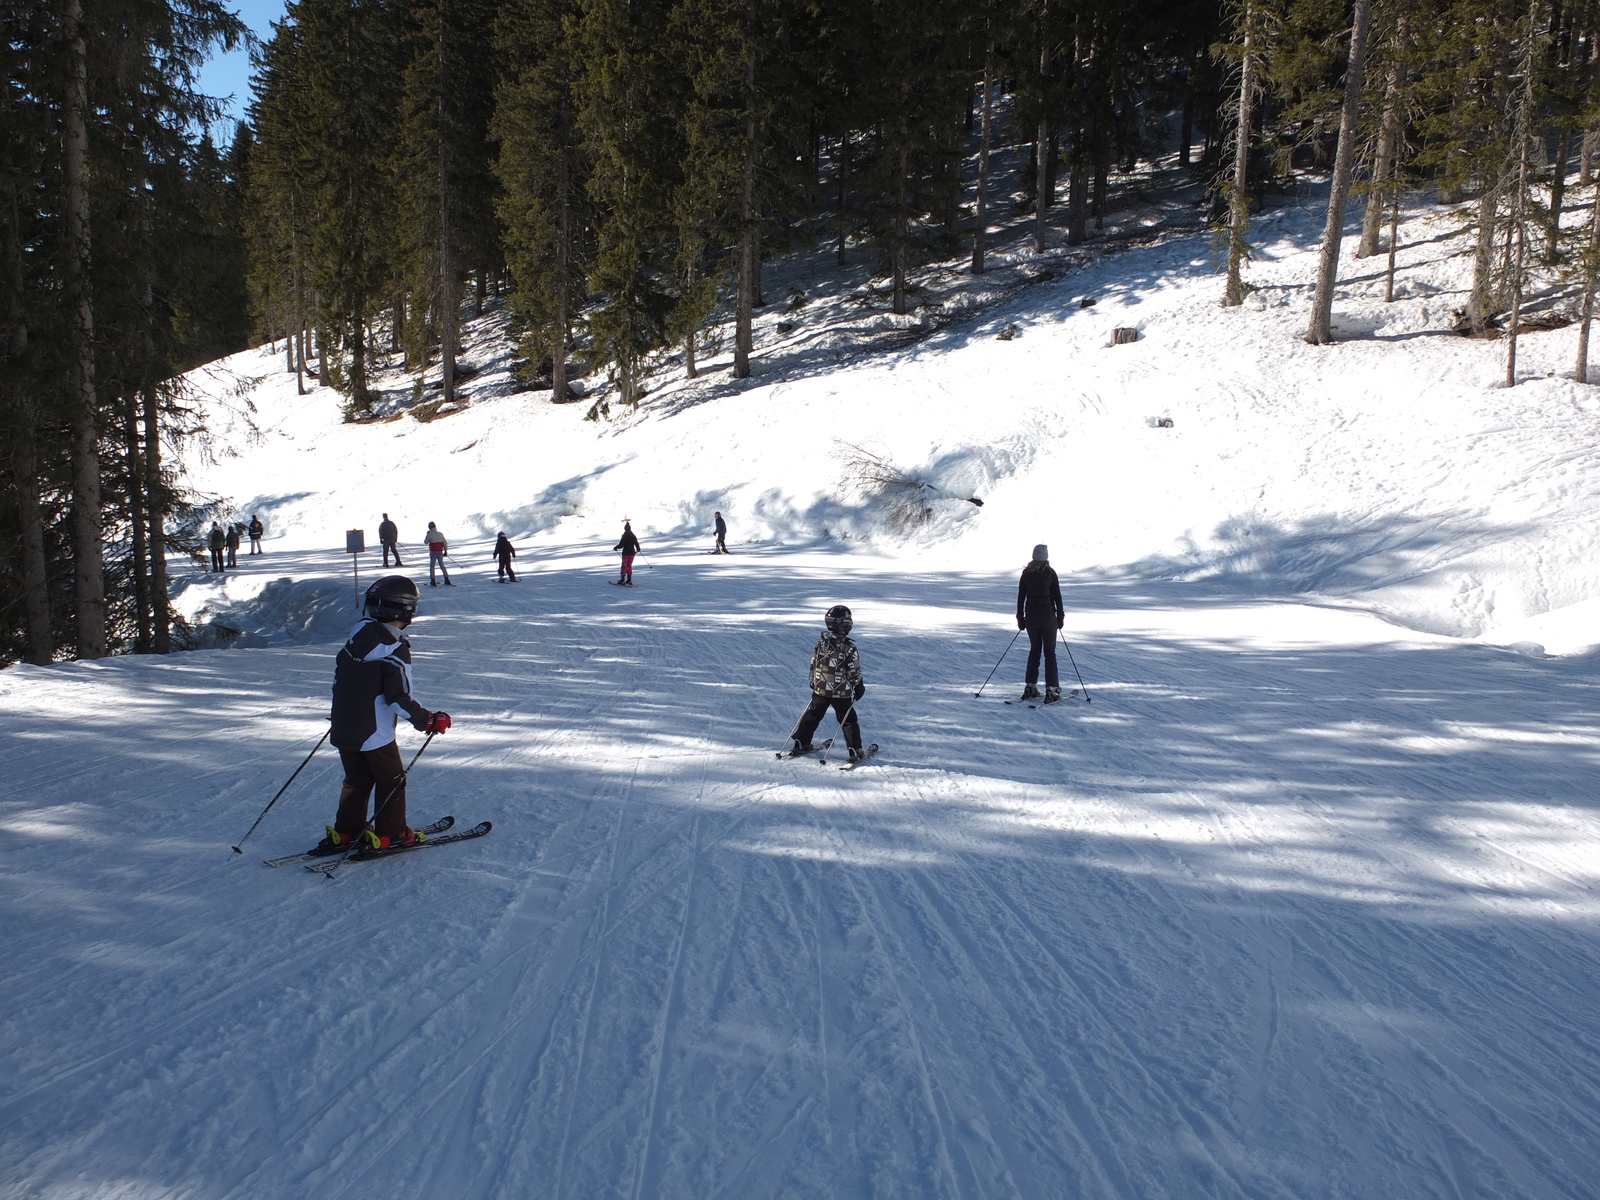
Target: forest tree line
<point>619,168</point>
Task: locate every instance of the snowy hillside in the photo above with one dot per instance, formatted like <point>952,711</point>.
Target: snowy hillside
<point>1303,904</point>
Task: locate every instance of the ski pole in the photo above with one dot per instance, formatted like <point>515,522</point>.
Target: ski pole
<point>1075,670</point>
<point>996,666</point>
<point>398,784</point>
<point>239,849</point>
<point>828,745</point>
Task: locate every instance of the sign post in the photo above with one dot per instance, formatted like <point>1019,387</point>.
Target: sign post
<point>355,545</point>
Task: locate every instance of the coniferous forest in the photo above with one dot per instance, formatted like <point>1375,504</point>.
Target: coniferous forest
<point>616,170</point>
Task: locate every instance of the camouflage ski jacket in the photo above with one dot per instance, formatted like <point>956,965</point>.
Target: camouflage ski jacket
<point>835,666</point>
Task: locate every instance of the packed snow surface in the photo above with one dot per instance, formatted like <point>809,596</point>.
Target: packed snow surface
<point>1303,904</point>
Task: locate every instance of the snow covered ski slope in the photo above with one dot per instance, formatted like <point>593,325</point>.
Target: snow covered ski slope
<point>1305,904</point>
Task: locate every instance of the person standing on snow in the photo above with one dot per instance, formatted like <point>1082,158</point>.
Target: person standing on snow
<point>232,539</point>
<point>1040,612</point>
<point>835,681</point>
<point>257,531</point>
<point>437,549</point>
<point>722,535</point>
<point>389,539</point>
<point>504,552</point>
<point>218,543</point>
<point>629,545</point>
<point>371,691</point>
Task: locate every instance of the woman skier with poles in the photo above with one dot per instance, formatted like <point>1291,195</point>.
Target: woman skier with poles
<point>1041,613</point>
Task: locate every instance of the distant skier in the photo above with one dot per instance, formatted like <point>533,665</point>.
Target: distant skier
<point>389,539</point>
<point>835,681</point>
<point>504,552</point>
<point>257,531</point>
<point>1040,612</point>
<point>232,539</point>
<point>218,543</point>
<point>722,535</point>
<point>629,545</point>
<point>371,690</point>
<point>437,549</point>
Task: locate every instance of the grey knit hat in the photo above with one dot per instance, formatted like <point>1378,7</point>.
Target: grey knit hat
<point>1041,553</point>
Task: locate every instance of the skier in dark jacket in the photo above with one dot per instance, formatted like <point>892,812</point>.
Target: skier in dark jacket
<point>504,552</point>
<point>371,690</point>
<point>218,543</point>
<point>389,539</point>
<point>1040,612</point>
<point>722,535</point>
<point>629,545</point>
<point>257,531</point>
<point>232,540</point>
<point>836,682</point>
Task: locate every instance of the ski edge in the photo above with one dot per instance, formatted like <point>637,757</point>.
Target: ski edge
<point>288,860</point>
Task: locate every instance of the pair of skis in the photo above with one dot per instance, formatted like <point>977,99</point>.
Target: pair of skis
<point>1042,702</point>
<point>326,862</point>
<point>823,750</point>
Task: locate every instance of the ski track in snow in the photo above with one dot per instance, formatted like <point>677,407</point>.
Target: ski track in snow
<point>1301,905</point>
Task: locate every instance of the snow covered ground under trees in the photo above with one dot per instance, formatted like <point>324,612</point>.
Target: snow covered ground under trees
<point>1303,904</point>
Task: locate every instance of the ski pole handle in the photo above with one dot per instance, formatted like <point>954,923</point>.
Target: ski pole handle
<point>239,848</point>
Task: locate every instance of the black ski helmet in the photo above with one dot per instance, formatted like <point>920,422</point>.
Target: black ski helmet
<point>392,598</point>
<point>838,620</point>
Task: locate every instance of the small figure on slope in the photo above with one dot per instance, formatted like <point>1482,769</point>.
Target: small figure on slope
<point>1040,612</point>
<point>629,545</point>
<point>389,539</point>
<point>722,535</point>
<point>504,552</point>
<point>835,682</point>
<point>437,549</point>
<point>371,691</point>
<point>257,532</point>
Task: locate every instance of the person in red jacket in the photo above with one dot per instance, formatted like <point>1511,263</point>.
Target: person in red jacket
<point>437,549</point>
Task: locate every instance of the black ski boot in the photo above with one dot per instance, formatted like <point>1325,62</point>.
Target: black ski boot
<point>1029,692</point>
<point>1052,694</point>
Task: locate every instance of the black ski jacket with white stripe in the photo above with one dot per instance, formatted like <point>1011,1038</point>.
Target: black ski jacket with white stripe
<point>372,688</point>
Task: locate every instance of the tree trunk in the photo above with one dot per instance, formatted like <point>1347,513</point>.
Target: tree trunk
<point>479,291</point>
<point>1386,160</point>
<point>156,514</point>
<point>1041,183</point>
<point>1098,202</point>
<point>134,464</point>
<point>558,340</point>
<point>690,371</point>
<point>1239,197</point>
<point>1394,242</point>
<point>981,204</point>
<point>1321,331</point>
<point>1480,301</point>
<point>324,367</point>
<point>1591,276</point>
<point>901,223</point>
<point>1078,196</point>
<point>30,520</point>
<point>87,554</point>
<point>749,266</point>
<point>1524,138</point>
<point>843,172</point>
<point>397,323</point>
<point>1186,130</point>
<point>1558,194</point>
<point>1586,158</point>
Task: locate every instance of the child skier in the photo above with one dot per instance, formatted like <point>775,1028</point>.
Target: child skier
<point>371,690</point>
<point>504,552</point>
<point>835,681</point>
<point>629,545</point>
<point>1040,612</point>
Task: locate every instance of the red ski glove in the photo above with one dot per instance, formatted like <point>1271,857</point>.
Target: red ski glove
<point>438,722</point>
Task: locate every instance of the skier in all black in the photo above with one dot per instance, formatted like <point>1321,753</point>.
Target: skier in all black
<point>389,539</point>
<point>629,545</point>
<point>722,535</point>
<point>504,552</point>
<point>371,690</point>
<point>835,681</point>
<point>1040,612</point>
<point>257,531</point>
